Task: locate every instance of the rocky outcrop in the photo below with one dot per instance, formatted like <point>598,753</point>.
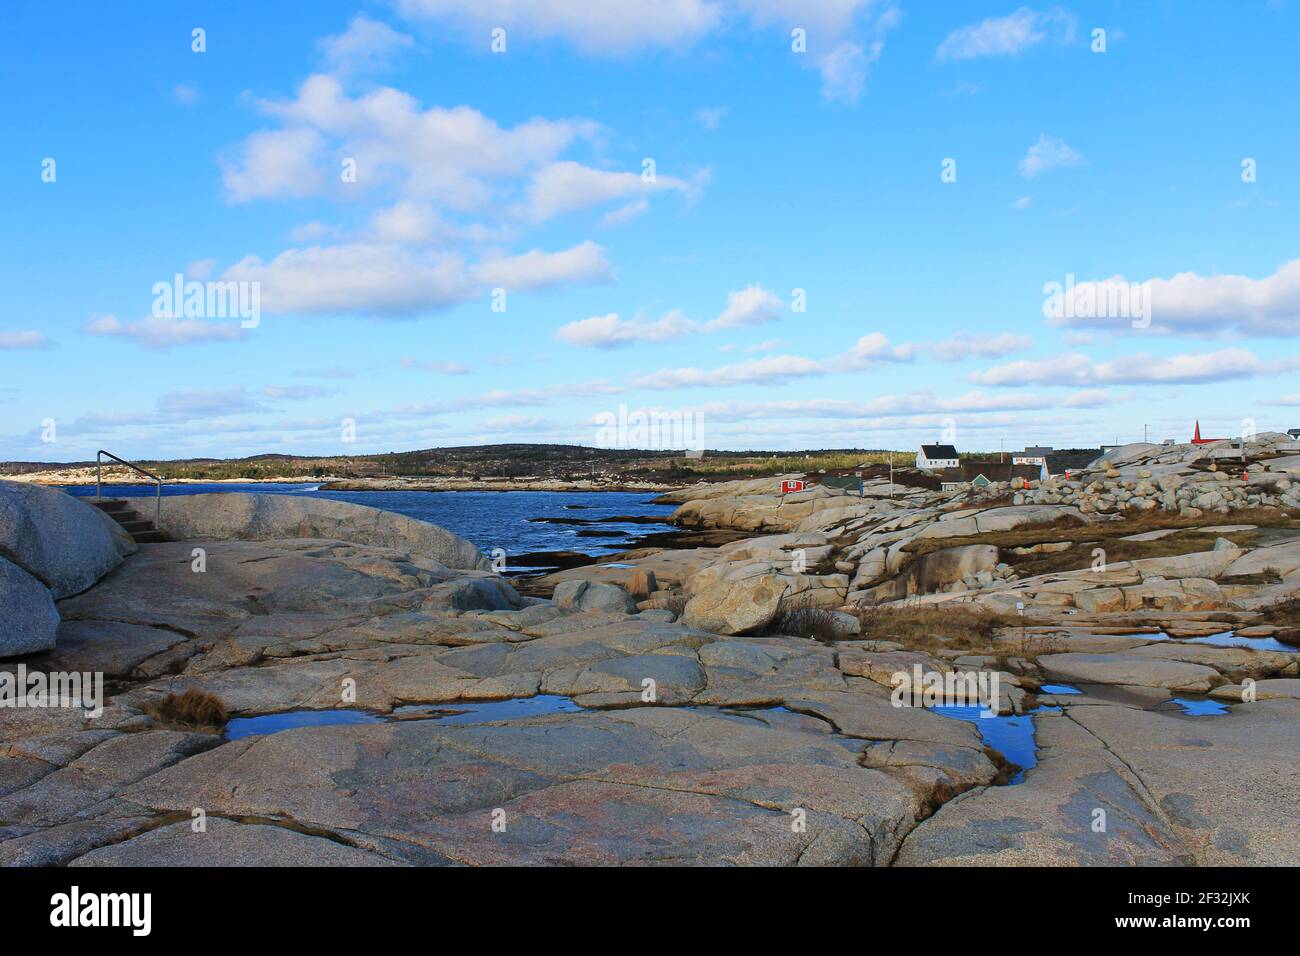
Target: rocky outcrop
<point>594,596</point>
<point>60,540</point>
<point>259,517</point>
<point>735,598</point>
<point>30,620</point>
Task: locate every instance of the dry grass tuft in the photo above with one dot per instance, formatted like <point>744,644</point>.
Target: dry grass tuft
<point>803,620</point>
<point>192,710</point>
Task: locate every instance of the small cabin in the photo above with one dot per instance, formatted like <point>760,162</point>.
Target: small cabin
<point>936,457</point>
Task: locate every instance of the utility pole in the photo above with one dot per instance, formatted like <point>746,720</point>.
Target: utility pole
<point>891,476</point>
<point>1145,439</point>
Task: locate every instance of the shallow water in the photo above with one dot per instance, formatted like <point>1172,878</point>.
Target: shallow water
<point>1059,689</point>
<point>1012,736</point>
<point>1200,708</point>
<point>1229,639</point>
<point>490,519</point>
<point>458,712</point>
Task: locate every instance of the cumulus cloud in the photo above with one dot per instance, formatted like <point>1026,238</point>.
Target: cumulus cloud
<point>164,332</point>
<point>537,269</point>
<point>845,38</point>
<point>609,331</point>
<point>1009,35</point>
<point>276,164</point>
<point>1192,304</point>
<point>965,345</point>
<point>874,349</point>
<point>366,46</point>
<point>456,156</point>
<point>752,305</point>
<point>1138,369</point>
<point>394,280</point>
<point>23,340</point>
<point>766,371</point>
<point>607,28</point>
<point>566,186</point>
<point>1048,153</point>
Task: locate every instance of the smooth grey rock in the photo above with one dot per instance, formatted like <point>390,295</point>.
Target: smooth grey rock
<point>227,843</point>
<point>253,517</point>
<point>60,540</point>
<point>29,620</point>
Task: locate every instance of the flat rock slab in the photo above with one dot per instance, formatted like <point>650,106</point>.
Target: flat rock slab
<point>1128,669</point>
<point>227,843</point>
<point>1048,819</point>
<point>110,647</point>
<point>648,785</point>
<point>1285,688</point>
<point>1229,786</point>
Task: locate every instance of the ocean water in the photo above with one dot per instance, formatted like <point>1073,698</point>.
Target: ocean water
<point>490,519</point>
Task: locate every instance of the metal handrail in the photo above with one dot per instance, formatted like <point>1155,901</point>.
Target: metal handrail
<point>157,508</point>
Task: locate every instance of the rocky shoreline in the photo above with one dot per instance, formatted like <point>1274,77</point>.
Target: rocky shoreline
<point>731,703</point>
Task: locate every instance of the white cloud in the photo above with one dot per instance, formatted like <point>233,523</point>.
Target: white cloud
<point>455,156</point>
<point>1192,304</point>
<point>536,269</point>
<point>392,280</point>
<point>164,332</point>
<point>356,277</point>
<point>964,345</point>
<point>185,95</point>
<point>607,28</point>
<point>23,340</point>
<point>1009,35</point>
<point>710,117</point>
<point>752,305</point>
<point>1023,202</point>
<point>1137,369</point>
<point>366,46</point>
<point>845,38</point>
<point>1048,153</point>
<point>280,164</point>
<point>405,222</point>
<point>440,367</point>
<point>874,349</point>
<point>564,187</point>
<point>767,371</point>
<point>609,331</point>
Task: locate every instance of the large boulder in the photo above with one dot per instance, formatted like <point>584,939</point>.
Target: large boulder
<point>594,596</point>
<point>735,598</point>
<point>259,517</point>
<point>60,540</point>
<point>29,620</point>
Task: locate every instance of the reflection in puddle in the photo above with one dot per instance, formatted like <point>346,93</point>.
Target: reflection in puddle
<point>1229,639</point>
<point>274,723</point>
<point>1013,736</point>
<point>486,711</point>
<point>1058,689</point>
<point>1200,708</point>
<point>458,712</point>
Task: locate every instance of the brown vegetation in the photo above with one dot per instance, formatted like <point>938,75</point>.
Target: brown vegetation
<point>192,710</point>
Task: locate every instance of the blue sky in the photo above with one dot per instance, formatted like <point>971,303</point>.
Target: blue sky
<point>773,171</point>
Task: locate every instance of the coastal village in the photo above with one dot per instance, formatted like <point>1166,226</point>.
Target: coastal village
<point>340,685</point>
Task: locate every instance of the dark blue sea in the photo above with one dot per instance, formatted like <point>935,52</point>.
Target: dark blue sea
<point>490,519</point>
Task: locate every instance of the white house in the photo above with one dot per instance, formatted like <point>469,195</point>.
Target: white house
<point>936,457</point>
